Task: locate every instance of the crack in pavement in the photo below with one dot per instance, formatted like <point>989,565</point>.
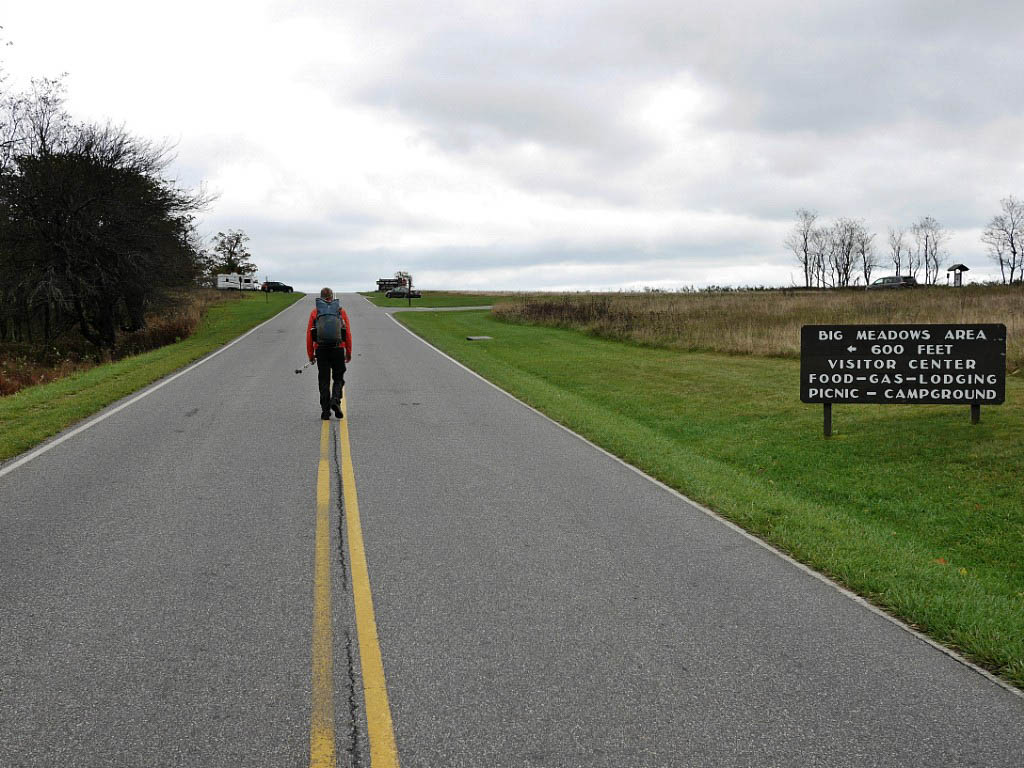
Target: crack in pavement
<point>351,748</point>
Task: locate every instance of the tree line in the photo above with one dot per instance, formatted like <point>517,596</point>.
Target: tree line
<point>93,233</point>
<point>841,253</point>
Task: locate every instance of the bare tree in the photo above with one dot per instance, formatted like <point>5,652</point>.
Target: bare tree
<point>12,125</point>
<point>800,242</point>
<point>929,237</point>
<point>864,246</point>
<point>12,116</point>
<point>898,247</point>
<point>914,256</point>
<point>829,254</point>
<point>47,125</point>
<point>820,256</point>
<point>843,251</point>
<point>1004,237</point>
<point>28,121</point>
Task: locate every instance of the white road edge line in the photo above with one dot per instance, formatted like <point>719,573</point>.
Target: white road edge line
<point>746,534</point>
<point>35,452</point>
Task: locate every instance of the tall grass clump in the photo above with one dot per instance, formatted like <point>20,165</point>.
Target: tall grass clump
<point>767,323</point>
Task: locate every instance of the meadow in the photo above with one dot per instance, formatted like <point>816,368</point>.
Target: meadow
<point>766,323</point>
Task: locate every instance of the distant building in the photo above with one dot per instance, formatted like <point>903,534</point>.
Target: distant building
<point>385,284</point>
<point>958,273</point>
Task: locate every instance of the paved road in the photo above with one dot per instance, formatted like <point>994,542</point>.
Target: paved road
<point>537,603</point>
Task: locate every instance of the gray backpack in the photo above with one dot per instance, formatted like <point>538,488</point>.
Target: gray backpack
<point>329,327</point>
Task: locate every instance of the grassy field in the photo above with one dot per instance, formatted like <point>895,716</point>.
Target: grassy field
<point>443,299</point>
<point>910,506</point>
<point>36,413</point>
<point>767,323</point>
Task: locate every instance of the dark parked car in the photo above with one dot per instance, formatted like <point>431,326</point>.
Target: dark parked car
<point>900,281</point>
<point>273,285</point>
<point>401,292</point>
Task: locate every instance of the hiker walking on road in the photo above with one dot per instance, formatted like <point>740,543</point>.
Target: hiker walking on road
<point>329,342</point>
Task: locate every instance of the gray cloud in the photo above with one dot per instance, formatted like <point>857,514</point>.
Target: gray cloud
<point>883,110</point>
<point>824,75</point>
<point>784,65</point>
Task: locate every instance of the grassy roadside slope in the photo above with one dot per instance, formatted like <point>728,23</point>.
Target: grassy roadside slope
<point>36,413</point>
<point>911,506</point>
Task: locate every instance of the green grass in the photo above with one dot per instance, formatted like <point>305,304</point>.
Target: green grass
<point>36,413</point>
<point>910,506</point>
<point>443,299</point>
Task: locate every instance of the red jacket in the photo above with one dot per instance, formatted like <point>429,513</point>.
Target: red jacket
<point>311,345</point>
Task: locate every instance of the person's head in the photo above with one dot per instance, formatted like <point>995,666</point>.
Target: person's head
<point>327,294</point>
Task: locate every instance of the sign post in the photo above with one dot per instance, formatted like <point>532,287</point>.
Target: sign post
<point>903,364</point>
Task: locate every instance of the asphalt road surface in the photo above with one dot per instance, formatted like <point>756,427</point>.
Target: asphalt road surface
<point>534,601</point>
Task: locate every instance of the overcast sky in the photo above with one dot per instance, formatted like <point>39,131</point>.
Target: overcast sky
<point>553,145</point>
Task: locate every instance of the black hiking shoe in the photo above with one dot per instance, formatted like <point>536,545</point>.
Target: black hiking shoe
<point>325,415</point>
<point>336,407</point>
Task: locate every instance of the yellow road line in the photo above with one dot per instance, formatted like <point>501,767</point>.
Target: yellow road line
<point>321,748</point>
<point>383,751</point>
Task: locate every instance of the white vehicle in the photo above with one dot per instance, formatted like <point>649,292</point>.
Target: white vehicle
<point>238,282</point>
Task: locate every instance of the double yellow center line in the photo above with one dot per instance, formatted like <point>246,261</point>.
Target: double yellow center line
<point>383,751</point>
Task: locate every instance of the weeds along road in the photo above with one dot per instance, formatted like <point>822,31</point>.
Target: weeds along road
<point>180,586</point>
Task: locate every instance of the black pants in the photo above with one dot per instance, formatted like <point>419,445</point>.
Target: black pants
<point>330,363</point>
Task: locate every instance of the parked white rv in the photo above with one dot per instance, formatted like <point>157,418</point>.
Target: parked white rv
<point>238,282</point>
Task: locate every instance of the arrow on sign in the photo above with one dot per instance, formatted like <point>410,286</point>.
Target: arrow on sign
<point>851,349</point>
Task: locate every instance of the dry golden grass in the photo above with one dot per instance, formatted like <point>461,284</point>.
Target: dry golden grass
<point>26,364</point>
<point>767,323</point>
<point>175,322</point>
